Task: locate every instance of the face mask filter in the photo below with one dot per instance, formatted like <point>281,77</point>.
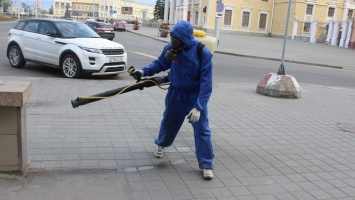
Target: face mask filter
<point>176,47</point>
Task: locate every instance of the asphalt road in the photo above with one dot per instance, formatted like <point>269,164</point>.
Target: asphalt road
<point>142,50</point>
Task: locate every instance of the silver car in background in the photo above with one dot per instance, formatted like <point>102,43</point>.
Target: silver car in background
<point>70,46</point>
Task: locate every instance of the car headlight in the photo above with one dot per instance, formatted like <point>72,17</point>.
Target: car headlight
<point>92,50</point>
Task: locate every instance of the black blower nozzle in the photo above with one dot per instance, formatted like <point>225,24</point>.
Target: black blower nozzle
<point>149,82</point>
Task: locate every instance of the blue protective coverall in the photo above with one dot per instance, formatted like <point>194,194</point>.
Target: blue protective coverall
<point>190,87</point>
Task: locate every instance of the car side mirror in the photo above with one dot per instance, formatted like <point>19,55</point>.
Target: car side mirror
<point>51,33</point>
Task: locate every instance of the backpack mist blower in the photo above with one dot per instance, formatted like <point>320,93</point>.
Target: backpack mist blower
<point>140,84</point>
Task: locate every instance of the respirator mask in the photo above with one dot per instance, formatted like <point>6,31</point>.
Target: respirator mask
<point>176,47</point>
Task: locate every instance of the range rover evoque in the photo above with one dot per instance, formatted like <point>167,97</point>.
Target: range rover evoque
<point>70,46</point>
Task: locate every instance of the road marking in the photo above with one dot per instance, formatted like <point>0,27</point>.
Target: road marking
<point>143,54</point>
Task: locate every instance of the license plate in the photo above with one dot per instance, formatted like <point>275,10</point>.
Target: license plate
<point>119,59</point>
<point>108,31</point>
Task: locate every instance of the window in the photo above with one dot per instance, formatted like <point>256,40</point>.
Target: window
<point>262,21</point>
<point>228,17</point>
<point>265,0</point>
<point>31,27</point>
<point>196,18</point>
<point>331,12</point>
<point>309,10</point>
<point>20,25</point>
<point>245,19</point>
<point>350,14</point>
<point>307,27</point>
<point>46,27</point>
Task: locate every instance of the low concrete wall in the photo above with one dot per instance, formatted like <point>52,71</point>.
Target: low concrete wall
<point>13,143</point>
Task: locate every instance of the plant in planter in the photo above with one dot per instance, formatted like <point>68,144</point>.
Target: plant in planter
<point>136,25</point>
<point>164,29</point>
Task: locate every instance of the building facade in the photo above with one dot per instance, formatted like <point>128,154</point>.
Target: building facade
<point>104,9</point>
<point>328,21</point>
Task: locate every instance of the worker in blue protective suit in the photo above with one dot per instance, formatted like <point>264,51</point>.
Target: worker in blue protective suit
<point>188,95</point>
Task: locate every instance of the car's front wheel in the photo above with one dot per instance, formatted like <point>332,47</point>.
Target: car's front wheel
<point>16,57</point>
<point>70,66</point>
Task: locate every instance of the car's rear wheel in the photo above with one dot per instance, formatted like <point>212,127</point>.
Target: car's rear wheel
<point>16,57</point>
<point>70,66</point>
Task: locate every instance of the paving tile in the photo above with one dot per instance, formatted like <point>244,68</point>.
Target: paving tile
<point>266,197</point>
<point>336,193</point>
<point>89,163</point>
<point>137,186</point>
<point>155,185</point>
<point>257,189</point>
<point>285,196</point>
<point>201,193</point>
<point>221,193</point>
<point>70,164</point>
<point>349,191</point>
<point>303,195</point>
<point>180,194</point>
<point>249,197</point>
<point>240,191</point>
<point>144,195</point>
<point>175,185</point>
<point>320,194</point>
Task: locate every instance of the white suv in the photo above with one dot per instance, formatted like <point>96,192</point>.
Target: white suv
<point>71,46</point>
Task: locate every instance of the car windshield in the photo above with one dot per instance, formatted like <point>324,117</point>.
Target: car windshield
<point>75,30</point>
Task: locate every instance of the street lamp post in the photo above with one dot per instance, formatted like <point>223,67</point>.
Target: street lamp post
<point>36,7</point>
<point>93,8</point>
<point>282,67</point>
<point>104,10</point>
<point>18,9</point>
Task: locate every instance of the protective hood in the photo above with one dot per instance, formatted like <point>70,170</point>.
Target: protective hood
<point>183,30</point>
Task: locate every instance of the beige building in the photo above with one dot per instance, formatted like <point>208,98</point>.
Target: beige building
<point>327,21</point>
<point>109,9</point>
<point>316,21</point>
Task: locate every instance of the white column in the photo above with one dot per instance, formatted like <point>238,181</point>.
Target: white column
<point>185,9</point>
<point>335,33</point>
<point>330,32</point>
<point>294,30</point>
<point>172,11</point>
<point>166,10</point>
<point>144,13</point>
<point>205,24</point>
<point>199,13</point>
<point>192,14</point>
<point>344,26</point>
<point>313,32</point>
<point>350,24</point>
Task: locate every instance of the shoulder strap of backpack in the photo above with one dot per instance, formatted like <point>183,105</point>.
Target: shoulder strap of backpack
<point>199,50</point>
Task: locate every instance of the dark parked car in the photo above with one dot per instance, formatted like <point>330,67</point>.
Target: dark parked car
<point>104,30</point>
<point>119,25</point>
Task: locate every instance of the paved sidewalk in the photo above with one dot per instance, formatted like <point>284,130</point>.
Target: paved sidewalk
<point>265,148</point>
<point>271,49</point>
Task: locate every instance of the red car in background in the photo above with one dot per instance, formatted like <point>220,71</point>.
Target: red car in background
<point>119,25</point>
<point>104,30</point>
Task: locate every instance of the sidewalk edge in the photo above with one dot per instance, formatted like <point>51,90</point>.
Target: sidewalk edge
<point>250,56</point>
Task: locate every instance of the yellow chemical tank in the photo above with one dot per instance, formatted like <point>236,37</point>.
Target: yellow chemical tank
<point>209,41</point>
